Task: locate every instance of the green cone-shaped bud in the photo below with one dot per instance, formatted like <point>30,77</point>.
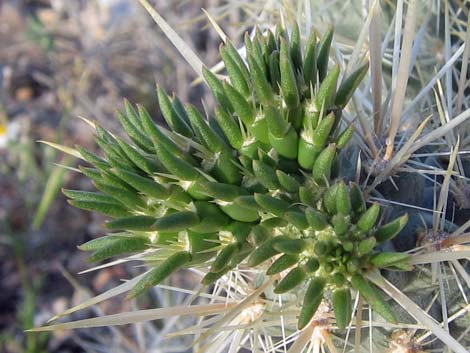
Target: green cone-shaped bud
<point>311,265</point>
<point>358,203</point>
<point>238,211</point>
<point>224,257</point>
<point>297,218</point>
<point>211,218</point>
<point>289,183</point>
<point>241,106</point>
<point>310,62</point>
<point>324,53</point>
<point>390,259</point>
<point>237,77</point>
<point>282,264</point>
<point>281,135</point>
<point>266,175</point>
<point>327,90</point>
<point>389,230</point>
<point>274,71</point>
<point>138,223</point>
<point>368,218</point>
<point>295,49</point>
<point>329,199</point>
<point>146,186</point>
<point>222,191</point>
<point>291,246</point>
<point>316,219</point>
<point>366,246</point>
<point>349,85</point>
<point>294,278</point>
<point>265,251</point>
<point>171,116</point>
<point>235,56</point>
<point>230,128</point>
<point>271,204</point>
<point>345,136</point>
<point>289,87</point>
<point>117,245</point>
<point>373,297</point>
<point>312,300</point>
<point>175,222</point>
<point>342,307</point>
<point>343,201</point>
<point>261,85</point>
<point>159,273</point>
<point>322,167</point>
<point>217,89</point>
<point>204,132</point>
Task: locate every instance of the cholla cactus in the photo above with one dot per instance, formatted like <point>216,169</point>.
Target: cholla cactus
<point>258,185</point>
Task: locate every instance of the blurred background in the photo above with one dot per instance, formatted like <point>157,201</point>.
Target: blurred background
<point>60,59</point>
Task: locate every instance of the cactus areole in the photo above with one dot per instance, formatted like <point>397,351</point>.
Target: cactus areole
<point>254,185</point>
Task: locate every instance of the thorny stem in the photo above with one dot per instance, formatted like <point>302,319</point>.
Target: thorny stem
<point>403,75</point>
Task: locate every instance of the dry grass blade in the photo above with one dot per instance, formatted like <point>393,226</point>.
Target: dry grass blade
<point>445,116</point>
<point>419,314</point>
<point>455,316</point>
<point>88,121</point>
<point>445,189</point>
<point>236,310</point>
<point>376,66</point>
<point>461,229</point>
<point>447,55</point>
<point>424,91</point>
<point>366,129</point>
<point>302,340</point>
<point>216,26</point>
<point>456,240</point>
<point>220,65</point>
<point>439,256</point>
<point>188,54</point>
<point>463,70</point>
<point>122,288</point>
<point>403,75</point>
<point>396,42</point>
<point>401,156</point>
<point>138,316</point>
<point>462,271</point>
<point>441,131</point>
<point>413,144</point>
<point>360,40</point>
<point>358,319</point>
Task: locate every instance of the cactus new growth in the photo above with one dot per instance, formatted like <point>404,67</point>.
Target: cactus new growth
<point>257,185</point>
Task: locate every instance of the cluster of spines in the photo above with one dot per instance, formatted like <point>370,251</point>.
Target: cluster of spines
<point>256,183</point>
